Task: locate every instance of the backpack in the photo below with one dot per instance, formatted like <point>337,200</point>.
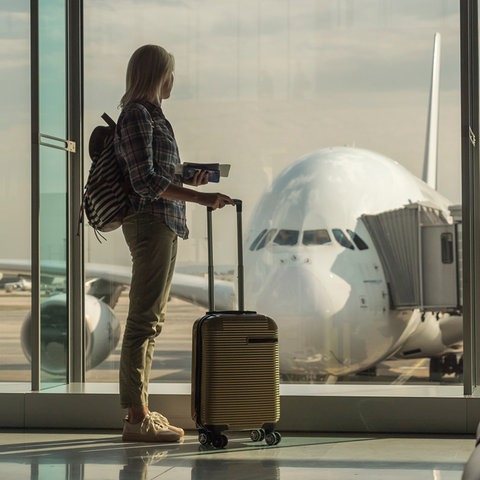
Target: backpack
<point>105,198</point>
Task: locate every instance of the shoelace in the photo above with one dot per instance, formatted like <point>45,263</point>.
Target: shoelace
<point>160,417</point>
<point>152,422</point>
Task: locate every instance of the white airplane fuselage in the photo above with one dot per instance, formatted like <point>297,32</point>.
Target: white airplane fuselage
<point>329,297</point>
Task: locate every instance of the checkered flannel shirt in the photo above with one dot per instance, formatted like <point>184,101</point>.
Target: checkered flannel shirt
<point>146,146</point>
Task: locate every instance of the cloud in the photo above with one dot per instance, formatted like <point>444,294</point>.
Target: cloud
<point>261,82</point>
<point>324,46</point>
<point>14,39</point>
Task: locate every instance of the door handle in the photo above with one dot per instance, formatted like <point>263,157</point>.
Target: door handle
<point>68,145</point>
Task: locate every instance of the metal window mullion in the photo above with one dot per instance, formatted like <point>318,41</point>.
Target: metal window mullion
<point>474,152</point>
<point>75,189</point>
<point>35,197</point>
<point>470,188</point>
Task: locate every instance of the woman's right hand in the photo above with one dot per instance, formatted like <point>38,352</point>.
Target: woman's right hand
<point>215,200</point>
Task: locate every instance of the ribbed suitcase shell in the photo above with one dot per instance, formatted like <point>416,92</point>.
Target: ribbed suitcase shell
<point>235,371</point>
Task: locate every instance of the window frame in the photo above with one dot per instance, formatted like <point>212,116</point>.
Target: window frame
<point>361,409</point>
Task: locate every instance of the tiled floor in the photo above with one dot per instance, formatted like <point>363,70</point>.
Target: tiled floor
<point>58,455</point>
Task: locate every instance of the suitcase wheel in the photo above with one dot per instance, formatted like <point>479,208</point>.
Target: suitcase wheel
<point>205,438</point>
<point>257,435</point>
<point>220,441</point>
<point>273,438</point>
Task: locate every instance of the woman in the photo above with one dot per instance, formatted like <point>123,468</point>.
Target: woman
<point>146,146</point>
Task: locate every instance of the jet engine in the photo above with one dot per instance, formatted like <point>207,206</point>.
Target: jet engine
<point>102,333</point>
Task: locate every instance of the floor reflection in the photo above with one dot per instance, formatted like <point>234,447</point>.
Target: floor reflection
<point>103,456</point>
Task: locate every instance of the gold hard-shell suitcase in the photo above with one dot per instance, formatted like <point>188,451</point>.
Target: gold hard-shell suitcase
<point>235,367</point>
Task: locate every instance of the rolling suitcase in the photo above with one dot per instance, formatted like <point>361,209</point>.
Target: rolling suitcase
<point>235,365</point>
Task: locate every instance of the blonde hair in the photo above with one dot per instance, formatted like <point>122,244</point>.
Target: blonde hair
<point>150,67</point>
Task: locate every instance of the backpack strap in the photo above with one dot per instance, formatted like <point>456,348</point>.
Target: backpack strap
<point>108,119</point>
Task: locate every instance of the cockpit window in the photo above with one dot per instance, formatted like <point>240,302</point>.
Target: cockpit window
<point>361,245</point>
<point>316,237</point>
<point>320,236</point>
<point>257,240</point>
<point>286,237</point>
<point>342,239</point>
<point>266,238</point>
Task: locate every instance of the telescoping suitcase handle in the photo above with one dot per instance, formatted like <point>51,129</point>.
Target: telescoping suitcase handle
<point>211,280</point>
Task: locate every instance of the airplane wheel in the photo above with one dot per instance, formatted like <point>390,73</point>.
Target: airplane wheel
<point>459,373</point>
<point>435,369</point>
<point>450,363</point>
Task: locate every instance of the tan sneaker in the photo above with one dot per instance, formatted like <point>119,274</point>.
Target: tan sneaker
<point>165,421</point>
<point>150,429</point>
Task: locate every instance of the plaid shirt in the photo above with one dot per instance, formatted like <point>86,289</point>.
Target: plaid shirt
<point>146,146</point>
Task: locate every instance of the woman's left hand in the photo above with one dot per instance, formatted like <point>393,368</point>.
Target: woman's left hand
<point>200,177</point>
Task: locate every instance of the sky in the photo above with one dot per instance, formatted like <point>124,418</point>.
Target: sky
<point>258,84</point>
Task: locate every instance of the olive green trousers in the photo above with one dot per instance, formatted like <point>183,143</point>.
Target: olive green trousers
<point>153,248</point>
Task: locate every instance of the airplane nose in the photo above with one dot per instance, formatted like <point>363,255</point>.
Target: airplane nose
<point>297,299</point>
<point>293,289</point>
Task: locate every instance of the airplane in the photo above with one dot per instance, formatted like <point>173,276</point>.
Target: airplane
<point>312,265</point>
<point>22,284</point>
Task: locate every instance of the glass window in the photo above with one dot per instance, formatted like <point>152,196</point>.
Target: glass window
<point>361,245</point>
<point>266,239</point>
<point>316,237</point>
<point>286,237</point>
<point>447,247</point>
<point>15,211</point>
<point>53,188</point>
<point>257,240</point>
<point>342,239</point>
<point>249,85</point>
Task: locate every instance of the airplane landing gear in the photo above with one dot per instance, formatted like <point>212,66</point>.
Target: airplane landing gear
<point>446,365</point>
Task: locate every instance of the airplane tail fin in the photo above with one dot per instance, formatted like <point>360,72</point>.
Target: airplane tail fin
<point>429,175</point>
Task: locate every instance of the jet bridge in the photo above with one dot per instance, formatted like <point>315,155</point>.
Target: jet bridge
<point>420,250</point>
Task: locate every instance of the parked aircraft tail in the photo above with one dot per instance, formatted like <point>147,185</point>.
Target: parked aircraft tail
<point>429,175</point>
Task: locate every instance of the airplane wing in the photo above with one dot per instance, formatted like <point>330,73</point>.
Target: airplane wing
<point>188,287</point>
<point>191,288</point>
